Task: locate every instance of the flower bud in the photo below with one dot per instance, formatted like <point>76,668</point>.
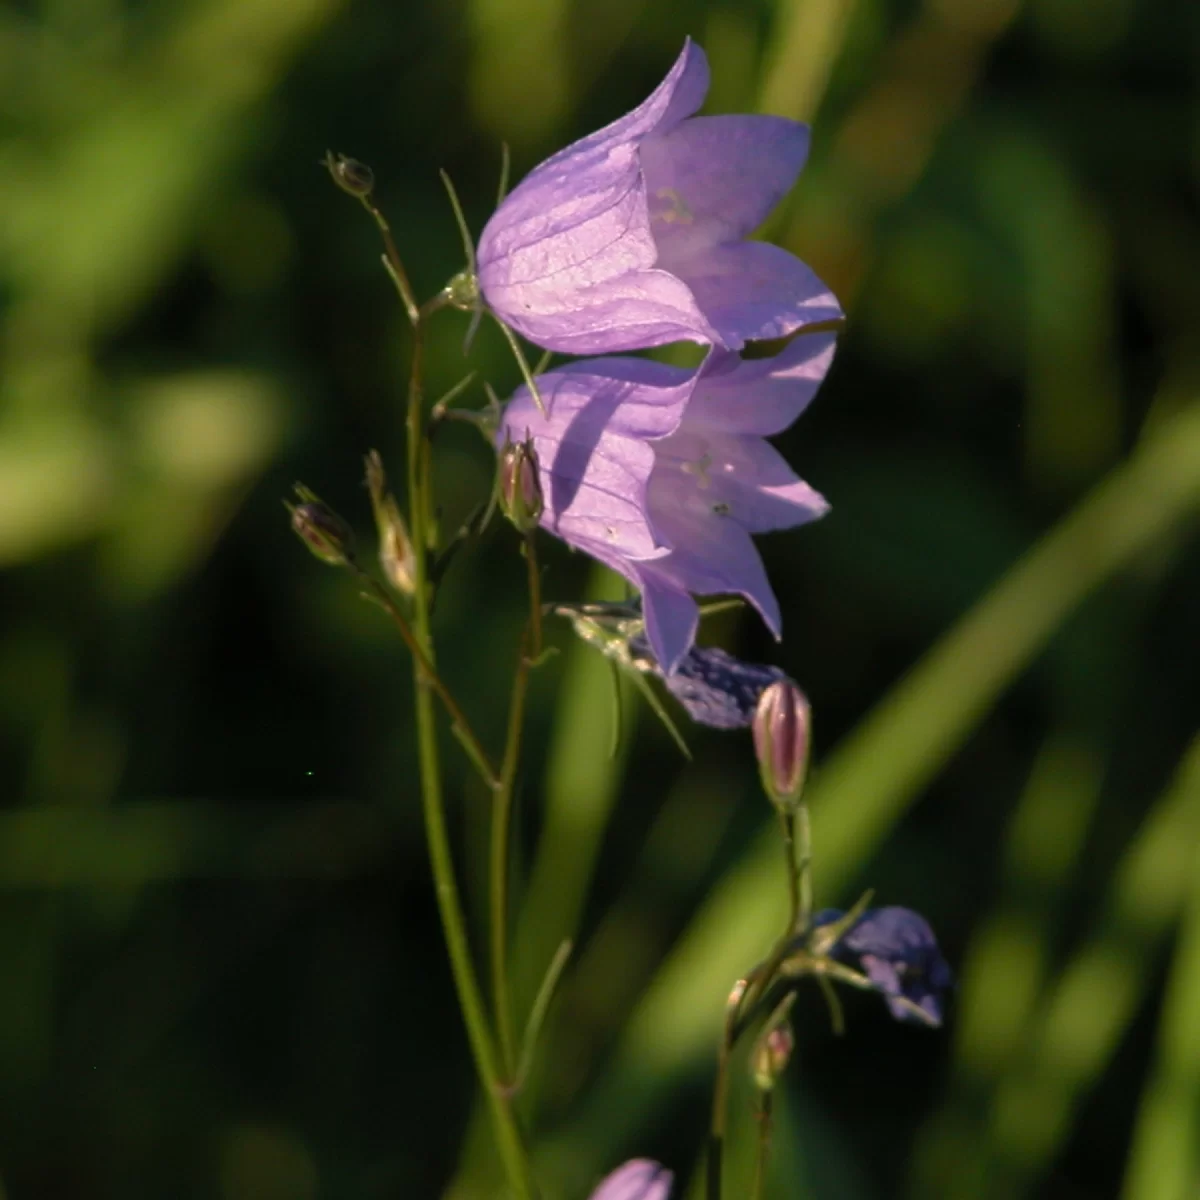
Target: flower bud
<point>350,175</point>
<point>782,731</point>
<point>321,529</point>
<point>397,559</point>
<point>771,1054</point>
<point>520,487</point>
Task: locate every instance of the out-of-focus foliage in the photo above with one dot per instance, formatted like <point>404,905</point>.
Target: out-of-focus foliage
<point>222,969</point>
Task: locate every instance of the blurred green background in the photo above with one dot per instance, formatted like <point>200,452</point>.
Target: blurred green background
<point>222,972</point>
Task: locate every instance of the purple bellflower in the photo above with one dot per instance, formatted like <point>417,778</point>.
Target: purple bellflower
<point>663,474</point>
<point>634,236</point>
<point>638,1179</point>
<point>897,950</point>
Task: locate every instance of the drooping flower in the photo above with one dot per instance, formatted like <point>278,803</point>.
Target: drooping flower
<point>638,1179</point>
<point>663,474</point>
<point>897,950</point>
<point>634,236</point>
<point>715,688</point>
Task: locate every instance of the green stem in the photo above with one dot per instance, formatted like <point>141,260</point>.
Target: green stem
<point>470,998</point>
<point>802,829</point>
<point>471,743</point>
<point>501,824</point>
<point>535,597</point>
<point>716,1134</point>
<point>787,826</point>
<point>763,1148</point>
<point>530,652</point>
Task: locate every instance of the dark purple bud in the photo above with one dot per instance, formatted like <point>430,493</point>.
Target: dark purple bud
<point>782,732</point>
<point>896,949</point>
<point>520,488</point>
<point>350,175</point>
<point>321,529</point>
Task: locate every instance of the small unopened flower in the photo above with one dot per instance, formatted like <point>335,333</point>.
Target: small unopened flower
<point>897,950</point>
<point>663,474</point>
<point>325,533</point>
<point>771,1054</point>
<point>397,559</point>
<point>350,175</point>
<point>782,732</point>
<point>638,1179</point>
<point>520,485</point>
<point>635,235</point>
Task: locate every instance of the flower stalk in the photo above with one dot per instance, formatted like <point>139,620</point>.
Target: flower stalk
<point>418,636</point>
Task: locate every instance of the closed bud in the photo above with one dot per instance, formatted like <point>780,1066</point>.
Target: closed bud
<point>396,557</point>
<point>520,488</point>
<point>350,175</point>
<point>321,529</point>
<point>782,732</point>
<point>771,1054</point>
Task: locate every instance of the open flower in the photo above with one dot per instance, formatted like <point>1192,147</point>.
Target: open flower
<point>638,1179</point>
<point>634,235</point>
<point>899,953</point>
<point>663,474</point>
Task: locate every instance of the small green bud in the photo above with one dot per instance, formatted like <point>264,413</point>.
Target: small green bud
<point>397,559</point>
<point>462,292</point>
<point>782,732</point>
<point>353,177</point>
<point>771,1054</point>
<point>321,529</point>
<point>520,485</point>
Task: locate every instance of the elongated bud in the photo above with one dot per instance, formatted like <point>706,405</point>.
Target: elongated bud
<point>771,1054</point>
<point>350,175</point>
<point>396,557</point>
<point>520,488</point>
<point>321,529</point>
<point>782,731</point>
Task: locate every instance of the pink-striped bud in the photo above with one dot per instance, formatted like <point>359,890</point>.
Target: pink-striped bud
<point>782,733</point>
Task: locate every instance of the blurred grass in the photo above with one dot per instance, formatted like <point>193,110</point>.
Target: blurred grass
<point>223,971</point>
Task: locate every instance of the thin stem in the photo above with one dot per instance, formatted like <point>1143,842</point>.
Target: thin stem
<point>395,268</point>
<point>470,998</point>
<point>537,1014</point>
<point>716,1135</point>
<point>500,857</point>
<point>462,726</point>
<point>763,1148</point>
<point>535,598</point>
<point>802,828</point>
<point>787,827</point>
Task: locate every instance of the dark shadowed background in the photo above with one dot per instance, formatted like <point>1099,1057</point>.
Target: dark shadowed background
<point>221,969</point>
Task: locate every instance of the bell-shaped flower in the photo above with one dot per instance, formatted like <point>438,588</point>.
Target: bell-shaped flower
<point>634,236</point>
<point>663,474</point>
<point>899,953</point>
<point>638,1179</point>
